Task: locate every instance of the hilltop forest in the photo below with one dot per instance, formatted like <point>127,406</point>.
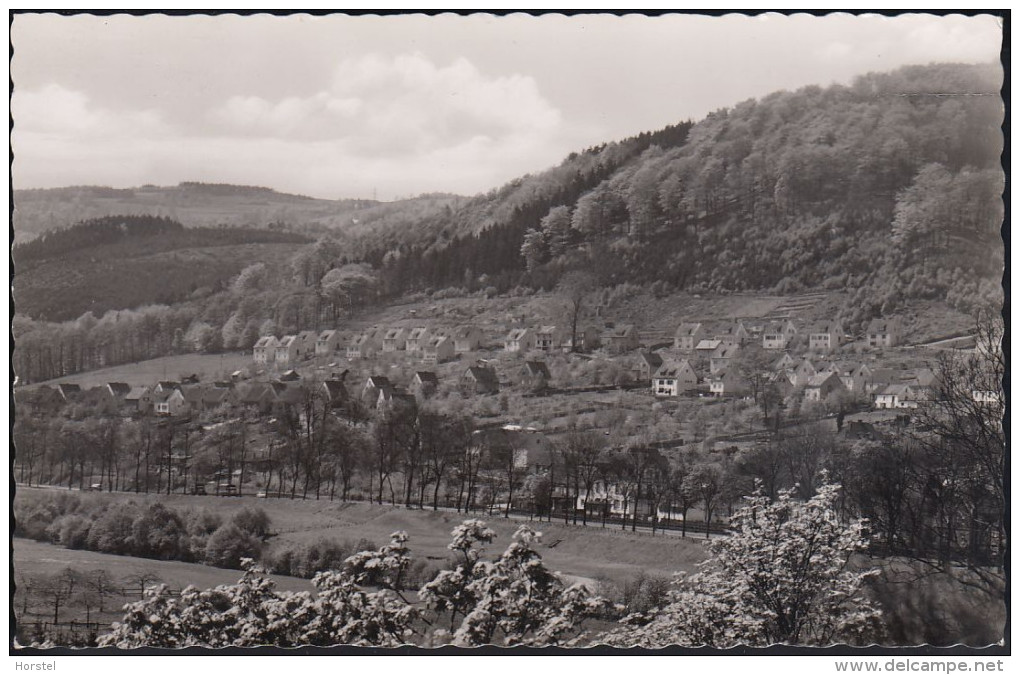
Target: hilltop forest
<point>889,188</point>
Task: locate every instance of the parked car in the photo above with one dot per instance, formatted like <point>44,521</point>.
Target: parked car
<point>227,490</point>
<point>95,487</point>
<point>198,489</point>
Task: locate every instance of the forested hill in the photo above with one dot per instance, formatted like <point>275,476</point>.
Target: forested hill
<point>889,186</point>
<point>190,203</point>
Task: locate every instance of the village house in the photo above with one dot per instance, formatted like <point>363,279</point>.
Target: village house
<point>438,349</point>
<point>985,397</point>
<point>166,386</point>
<point>896,396</point>
<point>395,339</point>
<point>732,333</point>
<point>364,346</point>
<point>42,401</point>
<point>424,383</point>
<point>784,362</point>
<point>519,340</point>
<point>534,375</point>
<point>587,339</point>
<point>139,399</point>
<point>327,343</point>
<point>722,356</point>
<point>170,403</point>
<point>778,334</point>
<point>883,333</point>
<point>646,365</point>
<point>727,383</point>
<point>466,338</point>
<point>217,396</point>
<point>69,391</point>
<point>390,396</point>
<point>293,348</point>
<point>548,338</point>
<point>258,396</point>
<point>853,378</point>
<point>803,372</point>
<point>479,380</point>
<point>706,347</point>
<point>674,377</point>
<point>265,350</point>
<point>373,385</point>
<point>335,393</point>
<point>624,339</point>
<point>290,376</point>
<point>825,336</point>
<point>687,336</point>
<point>880,378</point>
<point>416,339</point>
<point>821,386</point>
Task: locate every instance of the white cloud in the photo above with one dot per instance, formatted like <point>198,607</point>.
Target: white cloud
<point>56,111</point>
<point>401,105</point>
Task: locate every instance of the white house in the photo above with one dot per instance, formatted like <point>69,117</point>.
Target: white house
<point>883,333</point>
<point>327,342</point>
<point>438,349</point>
<point>519,340</point>
<point>674,377</point>
<point>825,336</point>
<point>265,350</point>
<point>687,336</point>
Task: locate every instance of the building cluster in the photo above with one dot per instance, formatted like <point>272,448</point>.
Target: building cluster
<point>706,359</point>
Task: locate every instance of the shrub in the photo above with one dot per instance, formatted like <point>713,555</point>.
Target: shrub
<point>70,531</point>
<point>228,545</point>
<point>159,532</point>
<point>252,520</point>
<point>113,530</point>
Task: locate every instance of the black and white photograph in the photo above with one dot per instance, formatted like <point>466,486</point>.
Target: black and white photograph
<point>427,332</point>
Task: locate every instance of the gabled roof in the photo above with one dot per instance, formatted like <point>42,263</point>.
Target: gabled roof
<point>286,341</point>
<point>193,394</point>
<point>435,341</point>
<point>426,377</point>
<point>326,335</point>
<point>546,330</point>
<point>256,392</point>
<point>215,395</point>
<point>483,375</point>
<point>464,332</point>
<point>377,381</point>
<point>652,359</point>
<point>623,331</point>
<point>774,327</point>
<point>724,351</point>
<point>536,368</point>
<point>168,385</point>
<point>394,334</point>
<point>288,392</point>
<point>820,379</point>
<point>417,333</point>
<point>136,393</point>
<point>362,339</point>
<point>335,389</point>
<point>895,390</point>
<point>884,375</point>
<point>290,376</point>
<point>119,389</point>
<point>266,342</point>
<point>305,335</point>
<point>68,389</point>
<point>672,369</point>
<point>708,345</point>
<point>517,333</point>
<point>731,328</point>
<point>687,329</point>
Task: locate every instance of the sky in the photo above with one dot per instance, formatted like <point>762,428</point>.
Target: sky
<point>394,106</point>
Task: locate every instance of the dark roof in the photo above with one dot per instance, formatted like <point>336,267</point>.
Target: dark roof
<point>69,389</point>
<point>653,359</point>
<point>482,375</point>
<point>427,377</point>
<point>535,368</point>
<point>290,376</point>
<point>119,389</point>
<point>335,389</point>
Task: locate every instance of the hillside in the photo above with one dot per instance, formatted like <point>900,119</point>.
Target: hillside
<point>123,262</point>
<point>197,205</point>
<point>876,188</point>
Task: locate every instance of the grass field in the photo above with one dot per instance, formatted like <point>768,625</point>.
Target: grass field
<point>206,366</point>
<point>579,552</point>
